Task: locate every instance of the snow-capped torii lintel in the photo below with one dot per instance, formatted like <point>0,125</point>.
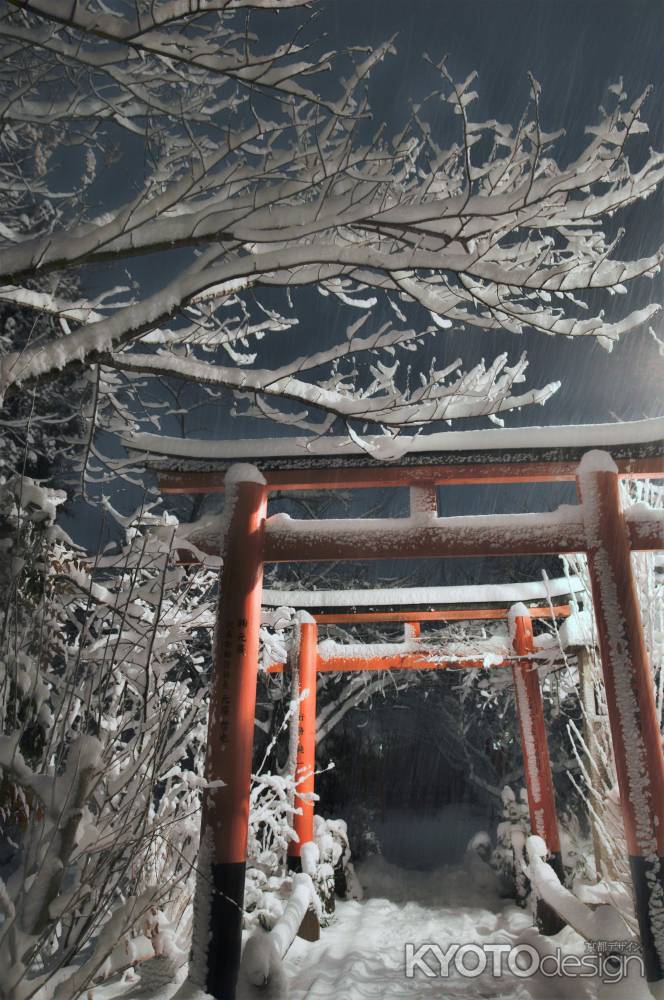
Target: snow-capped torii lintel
<point>640,434</point>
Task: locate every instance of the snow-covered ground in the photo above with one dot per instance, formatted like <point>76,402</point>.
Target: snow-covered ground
<point>363,953</point>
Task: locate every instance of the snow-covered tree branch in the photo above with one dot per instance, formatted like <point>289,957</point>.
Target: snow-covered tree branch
<point>242,176</point>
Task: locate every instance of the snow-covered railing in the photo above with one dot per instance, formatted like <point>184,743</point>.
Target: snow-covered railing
<point>601,924</point>
<point>265,950</point>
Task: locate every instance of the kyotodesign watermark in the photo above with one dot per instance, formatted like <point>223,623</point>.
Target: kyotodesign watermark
<point>611,961</point>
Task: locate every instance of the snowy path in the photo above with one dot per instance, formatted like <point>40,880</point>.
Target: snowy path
<point>362,955</point>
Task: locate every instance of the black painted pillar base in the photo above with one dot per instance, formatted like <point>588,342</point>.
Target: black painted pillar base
<point>226,913</point>
<point>548,921</point>
<point>294,863</point>
<point>648,882</point>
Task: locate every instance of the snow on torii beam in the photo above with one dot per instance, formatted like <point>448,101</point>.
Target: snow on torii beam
<point>373,476</point>
<point>506,455</point>
<point>446,603</point>
<point>398,661</point>
<point>446,615</point>
<point>426,658</point>
<point>554,533</point>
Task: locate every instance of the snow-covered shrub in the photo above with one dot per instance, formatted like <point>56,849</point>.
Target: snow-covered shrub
<point>270,820</point>
<point>509,854</point>
<point>103,716</point>
<point>480,843</point>
<point>270,831</point>
<point>331,839</point>
<point>273,802</point>
<point>576,849</point>
<point>272,805</point>
<point>477,863</point>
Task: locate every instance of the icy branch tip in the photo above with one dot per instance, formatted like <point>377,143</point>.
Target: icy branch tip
<point>243,472</point>
<point>597,461</point>
<point>304,618</point>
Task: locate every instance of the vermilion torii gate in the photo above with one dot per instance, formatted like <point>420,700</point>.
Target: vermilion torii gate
<point>597,526</point>
<point>416,656</point>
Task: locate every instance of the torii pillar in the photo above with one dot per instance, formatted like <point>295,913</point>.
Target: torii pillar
<point>630,697</point>
<point>537,764</point>
<point>305,761</point>
<point>219,900</point>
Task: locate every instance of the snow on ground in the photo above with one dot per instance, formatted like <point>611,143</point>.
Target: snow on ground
<point>363,953</point>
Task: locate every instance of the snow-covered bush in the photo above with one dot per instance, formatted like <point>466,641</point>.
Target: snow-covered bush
<point>103,715</point>
<point>335,872</point>
<point>327,860</point>
<point>576,849</point>
<point>270,831</point>
<point>509,854</point>
<point>270,820</point>
<point>273,802</point>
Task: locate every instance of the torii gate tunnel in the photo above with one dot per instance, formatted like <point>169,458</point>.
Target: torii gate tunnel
<point>597,526</point>
<point>530,709</point>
